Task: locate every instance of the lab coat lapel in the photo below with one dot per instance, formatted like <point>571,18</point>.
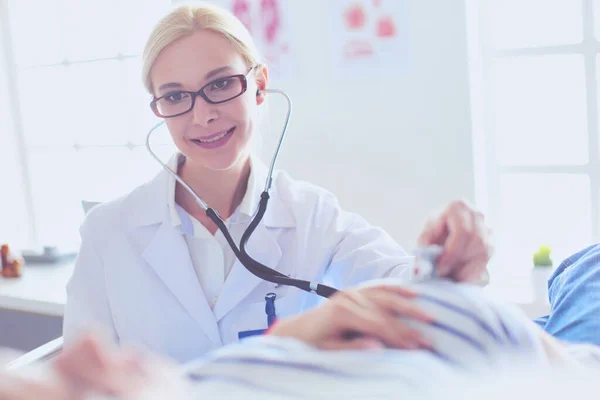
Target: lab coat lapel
<point>263,247</point>
<point>168,255</point>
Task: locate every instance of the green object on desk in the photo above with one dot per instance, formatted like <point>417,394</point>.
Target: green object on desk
<point>541,258</point>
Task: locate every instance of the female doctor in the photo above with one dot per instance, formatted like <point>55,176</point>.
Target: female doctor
<point>155,271</point>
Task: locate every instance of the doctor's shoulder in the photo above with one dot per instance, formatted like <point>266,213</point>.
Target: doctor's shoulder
<point>112,216</point>
<point>105,217</point>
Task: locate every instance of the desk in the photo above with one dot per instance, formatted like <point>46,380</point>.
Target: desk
<point>40,290</point>
<point>524,292</point>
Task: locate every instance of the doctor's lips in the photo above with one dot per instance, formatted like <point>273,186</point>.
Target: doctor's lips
<point>215,140</point>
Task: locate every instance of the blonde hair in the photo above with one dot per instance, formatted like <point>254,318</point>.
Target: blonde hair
<point>186,20</point>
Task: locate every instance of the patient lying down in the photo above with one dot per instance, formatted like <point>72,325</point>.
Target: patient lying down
<point>473,347</point>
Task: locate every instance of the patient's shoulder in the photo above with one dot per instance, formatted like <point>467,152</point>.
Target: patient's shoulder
<point>588,254</point>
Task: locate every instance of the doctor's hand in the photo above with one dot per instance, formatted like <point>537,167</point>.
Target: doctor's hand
<point>359,319</point>
<point>466,240</point>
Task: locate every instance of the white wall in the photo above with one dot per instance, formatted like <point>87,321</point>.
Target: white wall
<point>391,148</point>
<point>395,148</point>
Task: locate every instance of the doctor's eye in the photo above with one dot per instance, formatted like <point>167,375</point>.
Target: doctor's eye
<point>221,84</point>
<point>176,97</point>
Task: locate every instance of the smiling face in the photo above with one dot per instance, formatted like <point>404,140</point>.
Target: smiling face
<point>214,136</point>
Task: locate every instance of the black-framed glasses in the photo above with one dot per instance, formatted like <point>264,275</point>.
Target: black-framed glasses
<point>221,90</point>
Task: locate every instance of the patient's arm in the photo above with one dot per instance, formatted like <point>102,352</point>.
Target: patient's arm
<point>89,366</point>
<point>574,292</point>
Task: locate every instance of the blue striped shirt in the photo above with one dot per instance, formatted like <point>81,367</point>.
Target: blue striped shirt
<point>471,333</point>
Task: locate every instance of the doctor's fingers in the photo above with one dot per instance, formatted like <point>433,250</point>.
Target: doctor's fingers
<point>434,232</point>
<point>472,270</point>
<point>461,227</point>
<point>473,262</point>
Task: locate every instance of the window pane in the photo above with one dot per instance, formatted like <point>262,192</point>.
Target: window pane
<point>539,110</point>
<point>96,103</point>
<point>62,178</point>
<point>518,23</point>
<point>14,225</point>
<point>56,203</point>
<point>596,6</point>
<point>47,32</point>
<point>598,77</point>
<point>536,209</point>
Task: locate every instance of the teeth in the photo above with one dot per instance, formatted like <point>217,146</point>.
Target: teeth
<point>221,136</point>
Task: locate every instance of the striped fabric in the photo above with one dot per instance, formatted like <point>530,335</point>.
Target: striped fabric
<point>471,334</point>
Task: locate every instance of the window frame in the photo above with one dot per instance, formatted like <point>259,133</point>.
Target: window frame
<point>482,56</point>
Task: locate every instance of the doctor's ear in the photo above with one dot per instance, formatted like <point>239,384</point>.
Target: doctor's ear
<point>260,96</point>
<point>262,79</point>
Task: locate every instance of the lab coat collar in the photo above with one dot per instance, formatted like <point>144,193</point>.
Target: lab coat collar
<point>245,209</point>
<point>148,205</point>
<point>167,250</point>
<point>174,163</point>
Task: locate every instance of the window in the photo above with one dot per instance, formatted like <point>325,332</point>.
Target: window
<point>535,116</point>
<point>84,113</point>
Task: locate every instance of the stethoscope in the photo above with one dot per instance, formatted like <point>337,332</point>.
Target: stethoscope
<point>253,266</point>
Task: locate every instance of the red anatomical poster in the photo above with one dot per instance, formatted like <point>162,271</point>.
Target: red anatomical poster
<point>368,36</point>
<point>268,23</point>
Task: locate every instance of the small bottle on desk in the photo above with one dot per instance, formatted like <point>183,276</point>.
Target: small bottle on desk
<point>11,266</point>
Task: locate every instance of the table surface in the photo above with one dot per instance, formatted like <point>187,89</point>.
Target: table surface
<point>41,289</point>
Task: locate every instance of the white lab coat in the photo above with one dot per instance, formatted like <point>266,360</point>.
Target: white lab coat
<point>134,276</point>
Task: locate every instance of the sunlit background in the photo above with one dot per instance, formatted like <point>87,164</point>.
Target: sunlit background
<point>495,101</point>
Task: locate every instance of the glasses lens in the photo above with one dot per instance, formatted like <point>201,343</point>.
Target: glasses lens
<point>224,89</point>
<point>174,103</point>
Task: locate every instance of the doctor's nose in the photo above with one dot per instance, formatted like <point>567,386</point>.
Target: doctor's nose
<point>203,112</point>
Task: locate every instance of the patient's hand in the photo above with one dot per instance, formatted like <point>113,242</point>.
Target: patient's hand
<point>18,388</point>
<point>371,312</point>
<point>91,367</point>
